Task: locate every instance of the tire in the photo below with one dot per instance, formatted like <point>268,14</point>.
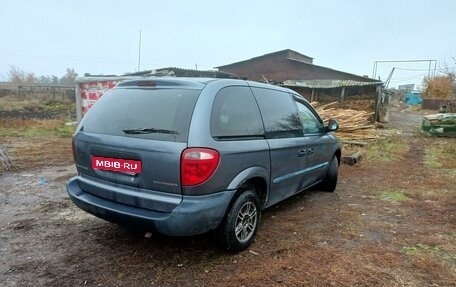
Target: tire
<point>329,182</point>
<point>240,225</point>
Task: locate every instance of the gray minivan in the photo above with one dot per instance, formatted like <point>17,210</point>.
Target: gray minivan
<point>185,156</point>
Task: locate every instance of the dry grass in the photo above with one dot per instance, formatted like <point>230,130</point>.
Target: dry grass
<point>441,154</point>
<point>38,151</point>
<point>35,128</point>
<point>13,103</point>
<point>391,222</point>
<point>36,143</point>
<point>386,150</point>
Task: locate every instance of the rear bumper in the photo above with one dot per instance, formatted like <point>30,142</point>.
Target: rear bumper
<point>193,215</point>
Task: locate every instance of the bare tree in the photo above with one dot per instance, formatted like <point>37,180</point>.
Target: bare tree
<point>19,77</point>
<point>438,87</point>
<point>442,86</point>
<point>69,79</point>
<point>450,71</point>
<point>44,80</point>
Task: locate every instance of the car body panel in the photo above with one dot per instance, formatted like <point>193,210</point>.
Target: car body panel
<point>155,198</point>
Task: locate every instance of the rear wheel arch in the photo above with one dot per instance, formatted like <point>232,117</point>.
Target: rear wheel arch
<point>257,177</point>
<point>259,187</point>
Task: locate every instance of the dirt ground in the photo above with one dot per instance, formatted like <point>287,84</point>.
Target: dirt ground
<point>389,223</point>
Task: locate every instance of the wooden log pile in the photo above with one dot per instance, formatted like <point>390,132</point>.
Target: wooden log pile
<point>353,124</point>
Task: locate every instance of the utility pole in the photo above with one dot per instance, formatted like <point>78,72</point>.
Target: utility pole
<point>139,53</point>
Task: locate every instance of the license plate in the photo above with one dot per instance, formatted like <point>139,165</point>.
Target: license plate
<point>116,164</point>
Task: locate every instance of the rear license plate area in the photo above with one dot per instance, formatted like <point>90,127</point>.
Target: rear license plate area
<point>128,166</point>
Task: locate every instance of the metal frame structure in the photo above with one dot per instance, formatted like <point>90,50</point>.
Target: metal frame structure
<point>374,69</point>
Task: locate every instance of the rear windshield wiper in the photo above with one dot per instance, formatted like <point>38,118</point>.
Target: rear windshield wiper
<point>149,131</point>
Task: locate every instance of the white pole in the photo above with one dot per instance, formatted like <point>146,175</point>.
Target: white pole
<point>139,54</point>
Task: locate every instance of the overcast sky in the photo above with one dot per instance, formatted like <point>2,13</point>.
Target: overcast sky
<point>102,37</point>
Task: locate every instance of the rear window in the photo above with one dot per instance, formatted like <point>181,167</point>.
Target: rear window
<point>160,114</point>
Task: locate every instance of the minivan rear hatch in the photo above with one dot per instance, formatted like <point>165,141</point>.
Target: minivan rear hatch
<point>135,134</point>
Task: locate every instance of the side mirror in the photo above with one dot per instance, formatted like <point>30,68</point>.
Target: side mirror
<point>332,126</point>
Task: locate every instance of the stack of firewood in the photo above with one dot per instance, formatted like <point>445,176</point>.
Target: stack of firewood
<point>353,124</point>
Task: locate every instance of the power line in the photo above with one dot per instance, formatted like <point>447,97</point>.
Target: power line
<point>424,70</point>
<point>406,79</point>
<point>62,57</point>
<point>430,61</point>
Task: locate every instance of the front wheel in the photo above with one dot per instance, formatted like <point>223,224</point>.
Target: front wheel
<point>329,183</point>
<point>240,225</point>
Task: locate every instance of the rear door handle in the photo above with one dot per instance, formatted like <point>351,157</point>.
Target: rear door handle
<point>310,150</point>
<point>301,152</point>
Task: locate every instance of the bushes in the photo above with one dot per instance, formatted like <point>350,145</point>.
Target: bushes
<point>440,87</point>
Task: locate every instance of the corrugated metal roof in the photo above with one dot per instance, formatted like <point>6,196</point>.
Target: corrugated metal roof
<point>286,51</point>
<point>328,84</point>
<point>163,72</point>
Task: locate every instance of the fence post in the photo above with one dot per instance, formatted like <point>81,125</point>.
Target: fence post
<point>342,97</point>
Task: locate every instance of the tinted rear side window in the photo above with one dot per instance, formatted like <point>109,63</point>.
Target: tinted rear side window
<point>235,115</point>
<point>127,109</point>
<point>280,116</point>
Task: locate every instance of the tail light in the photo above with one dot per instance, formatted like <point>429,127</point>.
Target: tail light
<point>198,165</point>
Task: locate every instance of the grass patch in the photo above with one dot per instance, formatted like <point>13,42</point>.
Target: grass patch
<point>35,128</point>
<point>424,249</point>
<point>441,194</point>
<point>420,248</point>
<point>432,158</point>
<point>392,195</point>
<point>432,263</point>
<point>441,154</point>
<point>452,172</point>
<point>30,152</point>
<point>12,103</point>
<point>58,106</point>
<point>385,150</point>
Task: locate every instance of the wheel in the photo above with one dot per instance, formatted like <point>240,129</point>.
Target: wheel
<point>330,180</point>
<point>240,225</point>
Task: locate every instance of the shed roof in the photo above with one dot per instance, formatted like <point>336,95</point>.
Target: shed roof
<point>328,84</point>
<point>317,76</point>
<point>169,71</point>
<point>288,53</point>
<point>353,77</point>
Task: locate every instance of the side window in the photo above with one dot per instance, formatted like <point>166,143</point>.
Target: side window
<point>235,115</point>
<point>280,116</point>
<point>311,123</point>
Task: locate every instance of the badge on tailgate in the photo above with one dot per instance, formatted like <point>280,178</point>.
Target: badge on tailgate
<point>116,164</point>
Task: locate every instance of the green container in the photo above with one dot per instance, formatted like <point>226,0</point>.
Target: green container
<point>443,125</point>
